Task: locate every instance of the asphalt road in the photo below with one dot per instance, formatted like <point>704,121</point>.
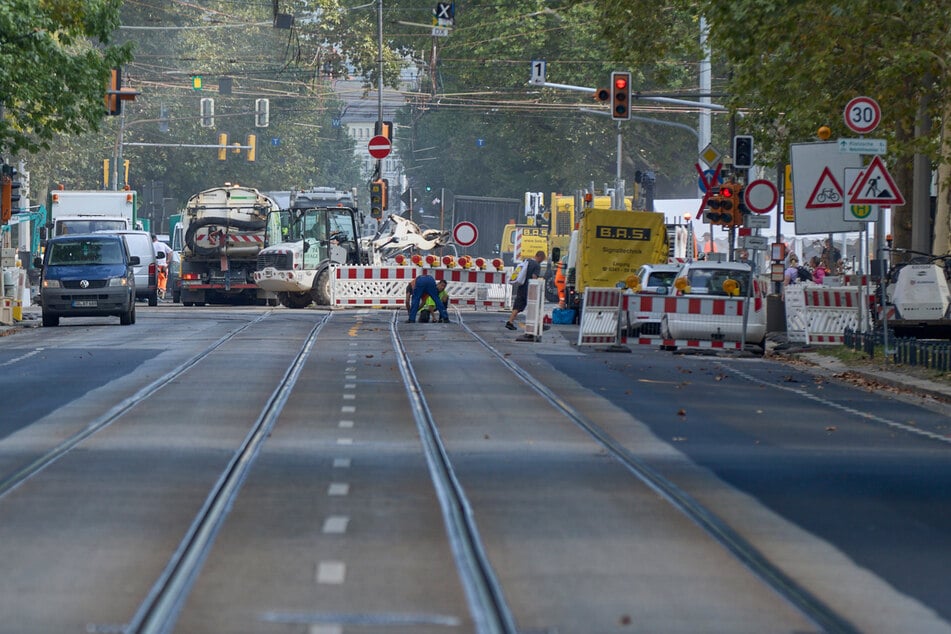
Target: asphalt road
<point>338,528</point>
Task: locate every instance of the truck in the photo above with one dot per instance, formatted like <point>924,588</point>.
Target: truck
<point>319,229</point>
<point>490,216</point>
<point>223,232</point>
<point>85,211</point>
<point>610,245</point>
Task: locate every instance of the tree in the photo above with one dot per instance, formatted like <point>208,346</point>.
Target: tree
<point>791,67</point>
<point>52,75</point>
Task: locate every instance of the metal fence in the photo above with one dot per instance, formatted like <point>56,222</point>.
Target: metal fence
<point>935,355</point>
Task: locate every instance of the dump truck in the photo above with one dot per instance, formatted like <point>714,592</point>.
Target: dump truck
<point>223,232</point>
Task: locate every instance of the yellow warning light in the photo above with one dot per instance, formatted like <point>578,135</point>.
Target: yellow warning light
<point>633,282</point>
<point>824,132</point>
<point>731,287</point>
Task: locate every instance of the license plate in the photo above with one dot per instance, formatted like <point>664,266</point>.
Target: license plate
<point>85,303</point>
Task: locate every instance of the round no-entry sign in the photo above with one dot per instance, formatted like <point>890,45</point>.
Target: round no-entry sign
<point>760,196</point>
<point>379,147</point>
<point>862,115</point>
<point>465,234</point>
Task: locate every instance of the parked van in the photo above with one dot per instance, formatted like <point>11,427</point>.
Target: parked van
<point>139,243</point>
<point>87,275</point>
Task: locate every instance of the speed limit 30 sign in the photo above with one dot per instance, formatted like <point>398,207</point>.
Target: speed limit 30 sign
<point>862,115</point>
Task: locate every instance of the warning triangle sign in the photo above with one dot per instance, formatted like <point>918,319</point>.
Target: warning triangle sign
<point>876,187</point>
<point>826,193</point>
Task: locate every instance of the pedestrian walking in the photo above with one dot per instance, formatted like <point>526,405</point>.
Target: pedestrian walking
<point>520,301</point>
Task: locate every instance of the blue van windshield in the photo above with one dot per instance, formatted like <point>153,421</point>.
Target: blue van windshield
<point>85,251</point>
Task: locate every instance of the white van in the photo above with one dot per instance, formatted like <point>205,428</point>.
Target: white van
<point>139,243</point>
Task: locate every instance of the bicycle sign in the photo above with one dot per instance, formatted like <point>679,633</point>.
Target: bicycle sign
<point>862,115</point>
<point>827,192</point>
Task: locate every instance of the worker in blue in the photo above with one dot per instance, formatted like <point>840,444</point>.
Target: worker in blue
<point>426,285</point>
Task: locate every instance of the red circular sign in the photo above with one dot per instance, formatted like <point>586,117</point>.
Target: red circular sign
<point>379,147</point>
<point>465,234</point>
<point>760,196</point>
<point>862,115</point>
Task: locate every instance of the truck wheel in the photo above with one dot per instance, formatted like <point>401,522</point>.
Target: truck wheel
<point>321,290</point>
<point>296,300</point>
<point>50,320</point>
<point>153,298</point>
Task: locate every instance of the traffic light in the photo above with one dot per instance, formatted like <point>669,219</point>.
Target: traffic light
<point>383,128</point>
<point>712,213</point>
<point>222,146</point>
<point>730,215</point>
<point>262,113</point>
<point>15,185</point>
<point>743,152</point>
<point>113,103</point>
<point>602,94</point>
<point>207,112</point>
<point>378,197</point>
<point>620,96</point>
<point>6,205</point>
<point>252,147</point>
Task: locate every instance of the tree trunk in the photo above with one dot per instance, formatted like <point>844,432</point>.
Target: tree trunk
<point>942,221</point>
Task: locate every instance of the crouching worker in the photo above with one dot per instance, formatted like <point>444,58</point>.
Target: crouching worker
<point>426,285</point>
<point>428,310</point>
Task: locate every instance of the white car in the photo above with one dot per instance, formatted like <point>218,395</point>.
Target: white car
<point>727,286</point>
<point>653,279</point>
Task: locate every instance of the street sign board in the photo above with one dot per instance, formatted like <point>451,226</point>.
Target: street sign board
<point>863,146</point>
<point>760,196</point>
<point>858,213</point>
<point>756,243</point>
<point>876,186</point>
<point>465,234</point>
<point>537,77</point>
<point>379,147</point>
<point>755,221</point>
<point>709,155</point>
<point>812,163</point>
<point>862,115</point>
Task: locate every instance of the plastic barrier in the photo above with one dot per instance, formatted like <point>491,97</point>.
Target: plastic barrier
<point>820,314</point>
<point>356,285</point>
<point>600,316</point>
<point>685,321</point>
<point>829,311</point>
<point>535,310</point>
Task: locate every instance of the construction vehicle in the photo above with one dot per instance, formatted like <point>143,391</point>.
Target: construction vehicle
<point>85,211</point>
<point>223,231</point>
<point>919,293</point>
<point>609,246</point>
<point>319,229</point>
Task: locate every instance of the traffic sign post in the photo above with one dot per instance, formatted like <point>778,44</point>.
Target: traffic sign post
<point>465,234</point>
<point>760,196</point>
<point>862,115</point>
<point>379,147</point>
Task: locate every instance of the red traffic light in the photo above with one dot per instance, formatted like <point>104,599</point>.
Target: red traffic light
<point>726,191</point>
<point>620,82</point>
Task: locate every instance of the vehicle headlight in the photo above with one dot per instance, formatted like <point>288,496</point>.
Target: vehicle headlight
<point>51,284</point>
<point>118,281</point>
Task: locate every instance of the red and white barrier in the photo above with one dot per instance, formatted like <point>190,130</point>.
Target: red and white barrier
<point>600,314</point>
<point>829,311</point>
<point>355,285</point>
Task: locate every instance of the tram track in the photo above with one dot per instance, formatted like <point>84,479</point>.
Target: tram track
<point>809,605</point>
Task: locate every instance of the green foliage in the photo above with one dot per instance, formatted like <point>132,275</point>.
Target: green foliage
<point>52,77</point>
<point>480,129</point>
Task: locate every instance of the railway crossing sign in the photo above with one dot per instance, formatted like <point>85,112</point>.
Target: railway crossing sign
<point>862,115</point>
<point>465,234</point>
<point>379,147</point>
